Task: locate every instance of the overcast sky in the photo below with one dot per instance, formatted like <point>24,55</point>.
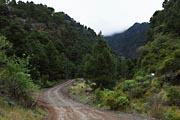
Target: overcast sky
<point>108,16</point>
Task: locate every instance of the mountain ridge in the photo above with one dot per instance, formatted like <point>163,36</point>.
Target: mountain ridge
<point>133,37</point>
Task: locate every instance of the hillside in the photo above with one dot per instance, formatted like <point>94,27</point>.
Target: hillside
<point>40,48</point>
<point>161,53</point>
<point>127,42</point>
<point>154,88</point>
<point>54,41</point>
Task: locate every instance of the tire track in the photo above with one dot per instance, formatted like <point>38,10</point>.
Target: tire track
<point>60,107</point>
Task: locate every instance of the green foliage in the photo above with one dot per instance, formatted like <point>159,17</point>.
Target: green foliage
<point>16,81</point>
<point>173,95</point>
<point>19,113</point>
<point>126,43</point>
<point>172,113</point>
<point>168,18</point>
<point>171,64</point>
<point>157,95</point>
<point>135,88</point>
<point>49,46</point>
<point>3,46</point>
<point>159,54</point>
<point>14,78</point>
<point>55,42</point>
<point>156,85</point>
<point>137,106</point>
<point>112,99</point>
<point>101,66</point>
<point>125,68</point>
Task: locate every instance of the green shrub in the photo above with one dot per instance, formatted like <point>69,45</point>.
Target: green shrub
<point>135,88</point>
<point>138,106</point>
<point>4,45</point>
<point>108,98</point>
<point>171,64</point>
<point>114,99</point>
<point>98,95</point>
<point>156,86</point>
<point>173,95</point>
<point>15,81</point>
<point>121,102</point>
<point>172,113</point>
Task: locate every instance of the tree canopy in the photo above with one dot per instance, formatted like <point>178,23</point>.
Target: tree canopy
<point>101,65</point>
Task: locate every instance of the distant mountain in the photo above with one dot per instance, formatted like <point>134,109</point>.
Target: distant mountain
<point>127,42</point>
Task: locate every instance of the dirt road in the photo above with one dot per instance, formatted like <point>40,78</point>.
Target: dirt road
<point>60,107</point>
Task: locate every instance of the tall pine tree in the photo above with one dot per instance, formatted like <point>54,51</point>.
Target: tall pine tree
<point>101,65</point>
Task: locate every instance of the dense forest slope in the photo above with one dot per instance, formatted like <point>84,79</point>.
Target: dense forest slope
<point>54,42</point>
<point>162,52</point>
<point>38,46</point>
<point>154,87</point>
<point>127,42</point>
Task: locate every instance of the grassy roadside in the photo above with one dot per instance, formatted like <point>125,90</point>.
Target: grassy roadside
<point>12,110</point>
<point>80,92</point>
<point>16,112</point>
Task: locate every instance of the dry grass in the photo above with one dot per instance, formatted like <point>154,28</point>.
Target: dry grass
<point>19,113</point>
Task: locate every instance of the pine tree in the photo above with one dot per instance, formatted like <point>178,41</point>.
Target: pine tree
<point>101,66</point>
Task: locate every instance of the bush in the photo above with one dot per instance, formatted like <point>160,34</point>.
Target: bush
<point>156,86</point>
<point>135,88</point>
<point>98,95</point>
<point>138,106</point>
<point>16,82</point>
<point>114,100</point>
<point>121,102</point>
<point>173,95</point>
<point>173,113</point>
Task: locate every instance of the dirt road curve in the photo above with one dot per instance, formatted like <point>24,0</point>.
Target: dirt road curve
<point>60,107</point>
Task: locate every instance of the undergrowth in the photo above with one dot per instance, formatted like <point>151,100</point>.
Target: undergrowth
<point>16,112</point>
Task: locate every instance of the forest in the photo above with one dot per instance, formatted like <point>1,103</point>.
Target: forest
<point>40,48</point>
<point>126,43</point>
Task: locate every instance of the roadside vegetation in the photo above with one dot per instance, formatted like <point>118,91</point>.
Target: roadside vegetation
<point>127,97</point>
<point>39,47</point>
<point>10,111</point>
<point>16,88</point>
<point>150,84</point>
